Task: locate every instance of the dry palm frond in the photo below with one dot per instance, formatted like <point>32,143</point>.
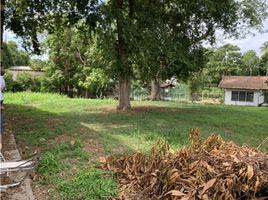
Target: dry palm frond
<point>209,169</point>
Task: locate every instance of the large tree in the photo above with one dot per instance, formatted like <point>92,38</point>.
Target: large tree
<point>264,58</point>
<point>251,63</point>
<point>124,22</point>
<point>13,56</point>
<point>226,60</point>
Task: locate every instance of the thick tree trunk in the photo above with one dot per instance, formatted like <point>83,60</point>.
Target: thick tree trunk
<point>2,17</point>
<point>155,90</point>
<point>124,101</point>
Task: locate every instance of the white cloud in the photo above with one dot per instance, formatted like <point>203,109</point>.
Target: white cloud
<point>250,42</point>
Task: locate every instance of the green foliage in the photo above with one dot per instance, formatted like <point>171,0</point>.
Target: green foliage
<point>38,64</point>
<point>264,48</point>
<point>264,59</point>
<point>49,167</point>
<point>250,63</point>
<point>226,60</point>
<point>24,82</point>
<point>68,150</point>
<point>52,162</point>
<point>213,92</point>
<point>13,56</point>
<point>7,57</point>
<point>74,65</point>
<point>24,79</point>
<point>89,184</point>
<point>96,81</point>
<point>11,85</point>
<point>196,84</point>
<point>136,39</point>
<point>89,122</point>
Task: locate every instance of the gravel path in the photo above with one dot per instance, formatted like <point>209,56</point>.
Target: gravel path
<point>10,152</point>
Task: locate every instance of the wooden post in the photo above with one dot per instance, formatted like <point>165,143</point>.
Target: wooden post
<point>2,17</point>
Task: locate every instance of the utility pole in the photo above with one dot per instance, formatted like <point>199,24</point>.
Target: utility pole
<point>2,17</point>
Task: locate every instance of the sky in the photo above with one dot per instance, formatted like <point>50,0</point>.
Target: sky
<point>250,42</point>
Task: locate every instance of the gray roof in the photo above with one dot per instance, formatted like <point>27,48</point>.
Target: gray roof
<point>23,68</point>
<point>245,82</point>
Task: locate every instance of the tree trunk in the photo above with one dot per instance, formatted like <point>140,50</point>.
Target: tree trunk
<point>124,101</point>
<point>2,17</point>
<point>87,93</point>
<point>70,92</point>
<point>155,89</point>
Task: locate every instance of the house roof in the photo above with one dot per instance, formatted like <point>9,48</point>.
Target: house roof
<point>165,85</point>
<point>21,68</point>
<point>245,82</point>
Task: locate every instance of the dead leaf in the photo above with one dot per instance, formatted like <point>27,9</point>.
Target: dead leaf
<point>176,193</point>
<point>102,159</point>
<point>72,142</point>
<point>208,185</point>
<point>250,172</point>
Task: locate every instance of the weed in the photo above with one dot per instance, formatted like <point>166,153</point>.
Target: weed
<point>89,184</point>
<point>49,168</point>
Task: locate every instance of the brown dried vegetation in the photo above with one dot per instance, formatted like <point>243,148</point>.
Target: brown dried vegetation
<point>209,169</point>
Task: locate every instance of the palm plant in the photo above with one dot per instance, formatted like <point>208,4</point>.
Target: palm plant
<point>264,48</point>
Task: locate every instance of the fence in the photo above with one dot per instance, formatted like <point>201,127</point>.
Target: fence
<point>181,93</point>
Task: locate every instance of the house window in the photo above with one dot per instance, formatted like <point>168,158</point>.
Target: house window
<point>235,95</point>
<point>242,96</point>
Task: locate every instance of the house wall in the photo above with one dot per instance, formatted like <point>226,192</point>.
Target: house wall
<point>257,99</point>
<point>33,73</point>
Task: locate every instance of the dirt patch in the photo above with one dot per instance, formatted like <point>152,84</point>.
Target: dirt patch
<point>141,109</point>
<point>7,145</point>
<point>62,138</point>
<point>41,192</point>
<point>94,148</point>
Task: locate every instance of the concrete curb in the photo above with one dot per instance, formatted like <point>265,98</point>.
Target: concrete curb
<point>24,191</point>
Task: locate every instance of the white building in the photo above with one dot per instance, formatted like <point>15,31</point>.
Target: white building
<point>244,90</point>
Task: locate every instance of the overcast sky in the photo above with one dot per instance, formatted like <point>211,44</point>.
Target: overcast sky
<point>248,43</point>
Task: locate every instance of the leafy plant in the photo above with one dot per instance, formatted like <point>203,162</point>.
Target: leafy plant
<point>71,149</point>
<point>50,166</point>
<point>89,184</point>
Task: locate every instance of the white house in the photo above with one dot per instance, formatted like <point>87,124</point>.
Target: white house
<point>244,90</point>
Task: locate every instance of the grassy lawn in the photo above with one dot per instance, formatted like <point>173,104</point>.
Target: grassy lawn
<point>74,133</point>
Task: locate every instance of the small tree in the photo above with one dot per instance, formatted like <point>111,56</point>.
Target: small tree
<point>196,84</point>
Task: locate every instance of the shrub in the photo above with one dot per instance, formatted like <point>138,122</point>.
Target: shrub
<point>11,85</point>
<point>24,80</point>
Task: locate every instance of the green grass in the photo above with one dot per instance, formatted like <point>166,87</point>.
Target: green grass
<point>73,133</point>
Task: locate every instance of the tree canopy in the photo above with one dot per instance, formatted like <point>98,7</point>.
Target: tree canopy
<point>13,56</point>
<point>139,38</point>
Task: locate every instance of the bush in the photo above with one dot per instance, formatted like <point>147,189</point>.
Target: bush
<point>11,85</point>
<point>23,82</point>
<point>213,92</point>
